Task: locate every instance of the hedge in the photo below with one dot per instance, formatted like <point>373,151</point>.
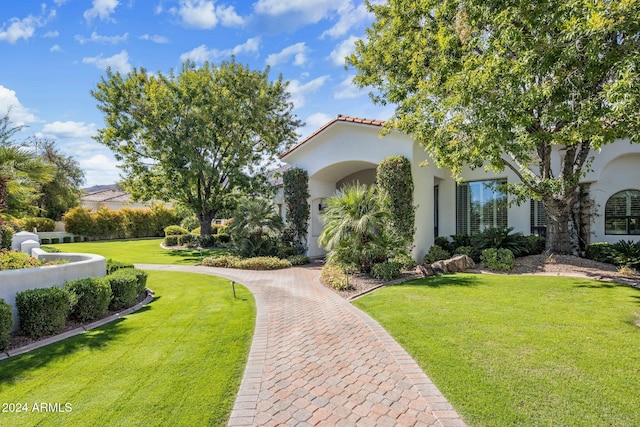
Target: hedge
<point>43,311</point>
<point>91,298</point>
<point>6,323</point>
<point>124,288</point>
<point>41,224</point>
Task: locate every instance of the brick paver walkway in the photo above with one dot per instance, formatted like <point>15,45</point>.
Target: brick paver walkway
<point>318,360</point>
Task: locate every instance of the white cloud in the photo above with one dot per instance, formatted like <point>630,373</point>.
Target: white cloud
<point>313,122</point>
<point>203,14</point>
<point>349,18</point>
<point>51,34</point>
<point>9,103</point>
<point>68,129</point>
<point>20,28</point>
<point>202,53</point>
<point>55,48</point>
<point>155,38</point>
<point>347,90</point>
<point>297,50</point>
<point>96,38</point>
<point>100,169</point>
<point>101,9</point>
<point>307,10</point>
<point>299,90</point>
<point>343,50</point>
<point>118,62</point>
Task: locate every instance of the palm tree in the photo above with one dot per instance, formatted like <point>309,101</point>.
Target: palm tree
<point>21,171</point>
<point>255,221</point>
<point>354,231</point>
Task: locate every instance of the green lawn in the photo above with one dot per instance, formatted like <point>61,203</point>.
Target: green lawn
<point>522,351</point>
<point>140,251</point>
<point>178,361</point>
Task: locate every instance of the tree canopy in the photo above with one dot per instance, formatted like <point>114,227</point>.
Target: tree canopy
<point>500,85</point>
<point>193,137</point>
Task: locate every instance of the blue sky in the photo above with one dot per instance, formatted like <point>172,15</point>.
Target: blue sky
<point>54,53</point>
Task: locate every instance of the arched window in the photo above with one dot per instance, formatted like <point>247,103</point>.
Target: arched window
<point>622,213</point>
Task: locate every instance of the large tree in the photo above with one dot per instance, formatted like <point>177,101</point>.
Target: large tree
<point>64,190</point>
<point>21,172</point>
<point>500,85</point>
<point>194,137</point>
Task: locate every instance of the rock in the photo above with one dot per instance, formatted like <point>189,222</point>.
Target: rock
<point>426,270</point>
<point>454,265</point>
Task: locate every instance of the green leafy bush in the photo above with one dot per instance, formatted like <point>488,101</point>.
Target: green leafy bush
<point>6,234</point>
<point>171,240</point>
<point>498,259</point>
<point>458,240</point>
<point>626,253</point>
<point>208,241</point>
<point>6,323</point>
<point>393,177</point>
<point>500,238</point>
<point>196,230</point>
<point>77,238</point>
<point>187,239</point>
<point>91,298</point>
<point>535,244</point>
<point>50,249</point>
<point>141,278</point>
<point>406,261</point>
<point>45,241</point>
<point>55,240</point>
<point>14,260</point>
<point>599,251</point>
<point>444,243</point>
<point>112,265</point>
<point>298,259</point>
<point>436,253</point>
<point>66,239</point>
<point>386,270</point>
<point>43,311</point>
<point>41,224</point>
<point>124,287</point>
<point>263,263</point>
<point>225,261</point>
<point>295,183</point>
<point>334,275</point>
<point>463,250</point>
<point>175,230</point>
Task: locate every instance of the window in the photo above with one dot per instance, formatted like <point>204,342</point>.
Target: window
<point>480,205</point>
<point>622,213</point>
<point>538,219</point>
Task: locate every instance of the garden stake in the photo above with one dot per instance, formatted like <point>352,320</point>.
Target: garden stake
<point>233,286</point>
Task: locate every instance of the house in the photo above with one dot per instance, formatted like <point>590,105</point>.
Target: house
<point>110,198</point>
<point>348,149</point>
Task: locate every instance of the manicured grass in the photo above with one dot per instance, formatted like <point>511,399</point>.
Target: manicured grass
<point>525,351</point>
<point>178,361</point>
<point>141,251</point>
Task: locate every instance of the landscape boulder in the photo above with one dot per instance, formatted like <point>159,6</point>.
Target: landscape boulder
<point>455,264</point>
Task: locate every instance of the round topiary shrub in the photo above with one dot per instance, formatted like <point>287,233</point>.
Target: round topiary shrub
<point>498,259</point>
<point>6,323</point>
<point>92,297</point>
<point>175,230</point>
<point>124,288</point>
<point>43,311</point>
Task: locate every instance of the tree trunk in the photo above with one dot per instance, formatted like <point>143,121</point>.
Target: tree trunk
<point>561,235</point>
<point>205,219</point>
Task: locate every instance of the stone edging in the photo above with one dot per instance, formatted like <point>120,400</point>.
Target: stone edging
<point>78,330</point>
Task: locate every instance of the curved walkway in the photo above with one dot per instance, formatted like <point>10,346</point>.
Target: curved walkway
<point>317,360</point>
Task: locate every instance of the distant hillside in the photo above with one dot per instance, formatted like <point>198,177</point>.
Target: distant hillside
<point>101,188</point>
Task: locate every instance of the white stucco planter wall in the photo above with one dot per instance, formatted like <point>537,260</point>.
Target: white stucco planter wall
<point>80,266</point>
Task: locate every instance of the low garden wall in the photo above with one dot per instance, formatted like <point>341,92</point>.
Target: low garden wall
<point>80,266</point>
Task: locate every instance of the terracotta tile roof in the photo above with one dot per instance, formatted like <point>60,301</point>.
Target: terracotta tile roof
<point>340,118</point>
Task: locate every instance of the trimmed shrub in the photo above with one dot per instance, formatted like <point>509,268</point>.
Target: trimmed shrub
<point>92,297</point>
<point>14,260</point>
<point>6,234</point>
<point>45,241</point>
<point>197,230</point>
<point>112,265</point>
<point>187,239</point>
<point>141,278</point>
<point>295,183</point>
<point>41,224</point>
<point>535,244</point>
<point>386,270</point>
<point>66,239</point>
<point>298,259</point>
<point>335,276</point>
<point>6,323</point>
<point>393,176</point>
<point>225,261</point>
<point>55,240</point>
<point>599,251</point>
<point>43,311</point>
<point>263,263</point>
<point>124,287</point>
<point>498,259</point>
<point>175,230</point>
<point>171,240</point>
<point>77,238</point>
<point>208,241</point>
<point>436,253</point>
<point>50,249</point>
